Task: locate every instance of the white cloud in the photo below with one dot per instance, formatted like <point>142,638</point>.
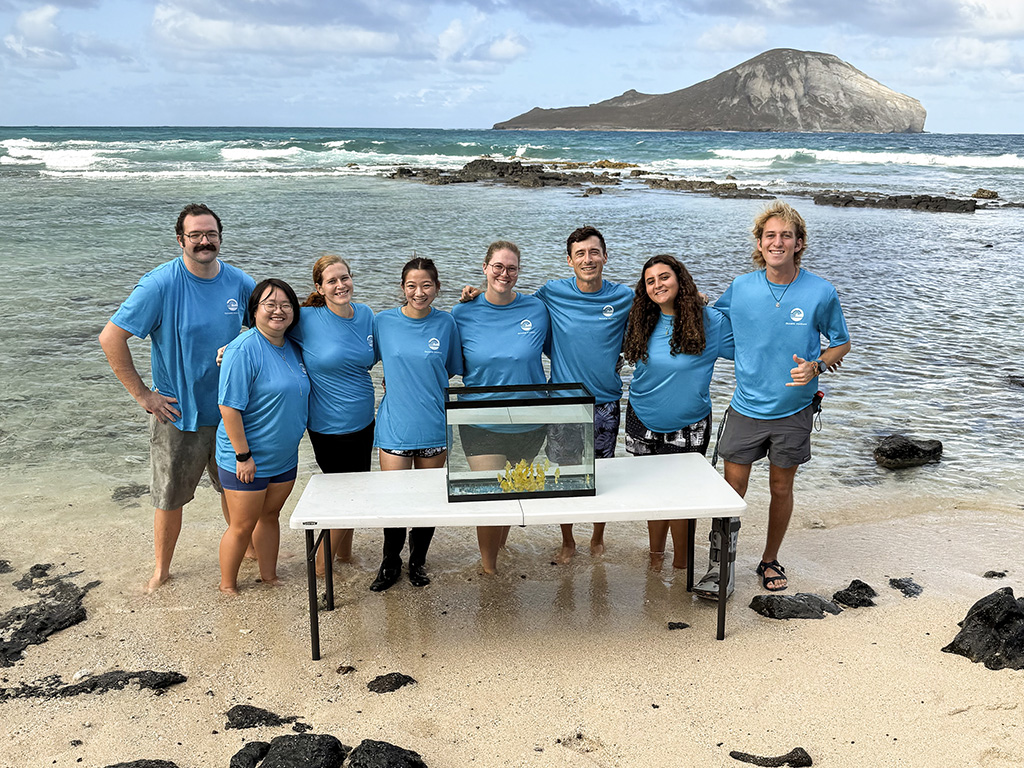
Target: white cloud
<point>741,36</point>
<point>1001,19</point>
<point>186,30</point>
<point>509,47</point>
<point>38,42</point>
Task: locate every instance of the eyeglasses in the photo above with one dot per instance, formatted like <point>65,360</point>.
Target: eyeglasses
<point>197,237</point>
<point>273,306</point>
<point>501,268</point>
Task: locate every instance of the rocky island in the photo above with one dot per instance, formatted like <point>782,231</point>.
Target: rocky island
<point>779,90</point>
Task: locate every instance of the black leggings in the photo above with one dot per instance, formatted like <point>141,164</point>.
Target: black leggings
<point>350,452</point>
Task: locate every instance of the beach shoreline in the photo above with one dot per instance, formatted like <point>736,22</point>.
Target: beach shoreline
<point>543,665</point>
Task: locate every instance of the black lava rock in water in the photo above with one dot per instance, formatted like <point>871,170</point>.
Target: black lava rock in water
<point>993,632</point>
<point>796,758</point>
<point>380,754</point>
<point>249,755</point>
<point>799,606</point>
<point>247,716</point>
<point>907,586</point>
<point>308,750</point>
<point>899,452</point>
<point>857,595</point>
<point>389,682</point>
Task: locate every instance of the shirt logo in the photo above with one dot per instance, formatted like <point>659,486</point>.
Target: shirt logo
<point>434,345</point>
<point>608,310</point>
<point>526,325</point>
<point>369,341</point>
<point>796,315</point>
<point>232,305</point>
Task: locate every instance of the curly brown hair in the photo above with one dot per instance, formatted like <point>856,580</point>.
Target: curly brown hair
<point>688,326</point>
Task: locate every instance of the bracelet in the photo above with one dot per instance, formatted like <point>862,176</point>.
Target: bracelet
<point>243,456</point>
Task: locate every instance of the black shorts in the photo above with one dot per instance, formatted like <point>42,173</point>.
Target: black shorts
<point>641,441</point>
<point>514,446</point>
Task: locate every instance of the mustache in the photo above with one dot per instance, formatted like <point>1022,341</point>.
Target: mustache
<point>206,247</point>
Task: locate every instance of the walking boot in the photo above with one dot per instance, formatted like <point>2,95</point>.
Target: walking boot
<point>707,587</point>
<point>388,574</point>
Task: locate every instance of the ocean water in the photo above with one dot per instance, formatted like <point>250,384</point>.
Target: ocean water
<point>932,300</point>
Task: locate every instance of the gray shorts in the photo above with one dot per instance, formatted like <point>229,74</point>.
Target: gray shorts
<point>786,441</point>
<point>177,460</point>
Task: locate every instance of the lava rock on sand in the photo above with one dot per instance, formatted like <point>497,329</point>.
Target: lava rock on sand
<point>857,595</point>
<point>992,632</point>
<point>799,606</point>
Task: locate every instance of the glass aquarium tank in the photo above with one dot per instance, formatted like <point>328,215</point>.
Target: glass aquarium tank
<point>515,442</point>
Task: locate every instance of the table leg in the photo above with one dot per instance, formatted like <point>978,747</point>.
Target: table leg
<point>725,567</point>
<point>314,619</point>
<point>328,569</point>
<point>691,529</point>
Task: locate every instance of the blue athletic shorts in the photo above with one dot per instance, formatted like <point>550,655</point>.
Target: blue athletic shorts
<point>230,481</point>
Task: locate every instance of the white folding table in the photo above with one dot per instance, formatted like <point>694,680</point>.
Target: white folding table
<point>674,486</point>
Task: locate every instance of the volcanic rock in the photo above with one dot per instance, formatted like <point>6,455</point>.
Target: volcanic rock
<point>799,606</point>
<point>59,607</point>
<point>52,687</point>
<point>249,755</point>
<point>779,90</point>
<point>985,194</point>
<point>307,750</point>
<point>907,586</point>
<point>248,716</point>
<point>934,203</point>
<point>145,764</point>
<point>797,758</point>
<point>992,632</point>
<point>380,754</point>
<point>389,682</point>
<point>857,595</point>
<point>900,451</point>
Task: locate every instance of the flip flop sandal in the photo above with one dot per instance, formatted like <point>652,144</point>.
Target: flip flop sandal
<point>766,579</point>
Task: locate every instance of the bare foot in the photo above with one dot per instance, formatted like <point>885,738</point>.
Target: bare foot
<point>596,548</point>
<point>273,582</point>
<point>228,590</point>
<point>678,562</point>
<point>565,554</point>
<point>250,553</point>
<point>657,560</point>
<point>156,582</point>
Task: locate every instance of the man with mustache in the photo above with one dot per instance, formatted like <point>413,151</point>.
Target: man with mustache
<point>189,307</point>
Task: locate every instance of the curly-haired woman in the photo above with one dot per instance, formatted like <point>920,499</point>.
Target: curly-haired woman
<point>674,341</point>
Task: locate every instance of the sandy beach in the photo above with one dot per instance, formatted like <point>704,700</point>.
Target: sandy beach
<point>542,665</point>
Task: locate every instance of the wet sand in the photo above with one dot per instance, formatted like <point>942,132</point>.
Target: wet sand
<point>542,665</point>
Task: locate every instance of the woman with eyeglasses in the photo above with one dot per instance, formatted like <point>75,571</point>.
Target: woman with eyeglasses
<point>336,337</point>
<point>504,334</point>
<point>263,397</point>
<point>673,339</point>
<point>420,349</point>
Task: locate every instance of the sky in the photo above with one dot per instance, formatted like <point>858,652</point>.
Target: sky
<point>470,64</point>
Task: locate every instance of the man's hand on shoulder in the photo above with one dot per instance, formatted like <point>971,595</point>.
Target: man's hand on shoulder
<point>469,293</point>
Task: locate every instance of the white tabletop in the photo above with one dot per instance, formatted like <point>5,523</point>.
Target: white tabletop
<point>666,487</point>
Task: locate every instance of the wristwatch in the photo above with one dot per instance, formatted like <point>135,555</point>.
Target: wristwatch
<point>821,366</point>
<point>243,456</point>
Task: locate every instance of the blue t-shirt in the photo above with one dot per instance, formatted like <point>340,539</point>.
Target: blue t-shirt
<point>268,384</point>
<point>502,344</point>
<point>188,319</point>
<point>586,334</point>
<point>669,391</point>
<point>419,356</point>
<point>338,353</point>
<point>767,337</point>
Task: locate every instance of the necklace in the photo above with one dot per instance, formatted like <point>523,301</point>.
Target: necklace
<point>778,299</point>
